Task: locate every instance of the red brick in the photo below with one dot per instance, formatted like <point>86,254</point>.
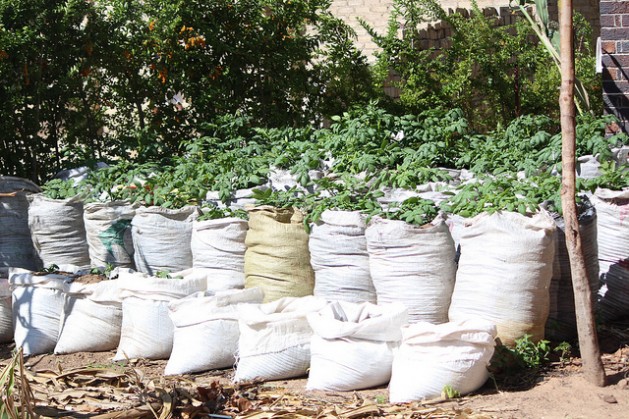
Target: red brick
<point>614,33</point>
<point>608,21</point>
<point>614,7</point>
<point>625,21</point>
<point>608,47</point>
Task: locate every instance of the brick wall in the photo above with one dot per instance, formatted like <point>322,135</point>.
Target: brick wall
<point>614,20</point>
<point>376,13</point>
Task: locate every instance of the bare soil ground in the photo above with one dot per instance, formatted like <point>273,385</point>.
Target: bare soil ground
<point>91,384</point>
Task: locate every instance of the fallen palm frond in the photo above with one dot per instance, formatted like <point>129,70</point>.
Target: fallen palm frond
<point>16,396</point>
<point>115,391</point>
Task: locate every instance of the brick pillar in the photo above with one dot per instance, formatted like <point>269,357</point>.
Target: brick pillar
<point>615,50</point>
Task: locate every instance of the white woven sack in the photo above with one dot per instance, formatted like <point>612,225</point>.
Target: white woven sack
<point>456,225</point>
<point>612,208</point>
<point>218,246</point>
<point>206,330</point>
<point>431,357</point>
<point>108,232</point>
<point>6,312</point>
<point>413,265</point>
<point>37,307</point>
<point>352,346</point>
<point>147,330</point>
<point>58,230</point>
<point>92,317</point>
<point>16,246</point>
<point>504,273</point>
<point>275,338</point>
<point>161,239</point>
<point>339,258</point>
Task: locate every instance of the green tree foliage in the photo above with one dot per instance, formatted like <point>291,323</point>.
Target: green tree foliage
<point>44,54</point>
<point>493,72</point>
<point>84,80</point>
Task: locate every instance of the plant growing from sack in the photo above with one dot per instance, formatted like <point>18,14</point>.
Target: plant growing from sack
<point>504,193</point>
<point>215,213</point>
<point>346,193</point>
<point>370,140</point>
<point>63,189</point>
<point>415,210</point>
<point>613,176</point>
<point>292,198</point>
<point>520,146</point>
<point>228,156</point>
<point>294,149</point>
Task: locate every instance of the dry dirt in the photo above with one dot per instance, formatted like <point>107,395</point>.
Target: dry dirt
<point>560,391</point>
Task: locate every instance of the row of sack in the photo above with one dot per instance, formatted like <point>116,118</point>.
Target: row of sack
<point>345,259</point>
<point>341,346</point>
<point>503,257</point>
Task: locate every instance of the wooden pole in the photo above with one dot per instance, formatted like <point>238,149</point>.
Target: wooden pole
<point>588,340</point>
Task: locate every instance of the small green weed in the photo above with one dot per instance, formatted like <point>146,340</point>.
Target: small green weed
<point>166,275</point>
<point>449,392</point>
<point>564,349</point>
<point>51,269</point>
<point>381,399</point>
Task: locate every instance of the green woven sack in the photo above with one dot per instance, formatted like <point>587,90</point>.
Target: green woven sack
<point>277,257</point>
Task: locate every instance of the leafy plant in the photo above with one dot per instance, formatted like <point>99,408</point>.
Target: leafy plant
<point>612,177</point>
<point>97,271</point>
<point>448,392</point>
<point>511,364</point>
<point>564,349</point>
<point>279,199</point>
<point>51,269</point>
<point>63,189</point>
<point>416,211</point>
<point>518,147</point>
<point>347,193</point>
<point>532,355</point>
<point>505,193</point>
<point>215,213</point>
<point>493,72</point>
<point>116,80</point>
<point>380,399</point>
<point>109,268</point>
<point>549,38</point>
<point>166,275</point>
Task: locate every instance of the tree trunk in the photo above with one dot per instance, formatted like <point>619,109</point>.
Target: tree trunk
<point>588,339</point>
